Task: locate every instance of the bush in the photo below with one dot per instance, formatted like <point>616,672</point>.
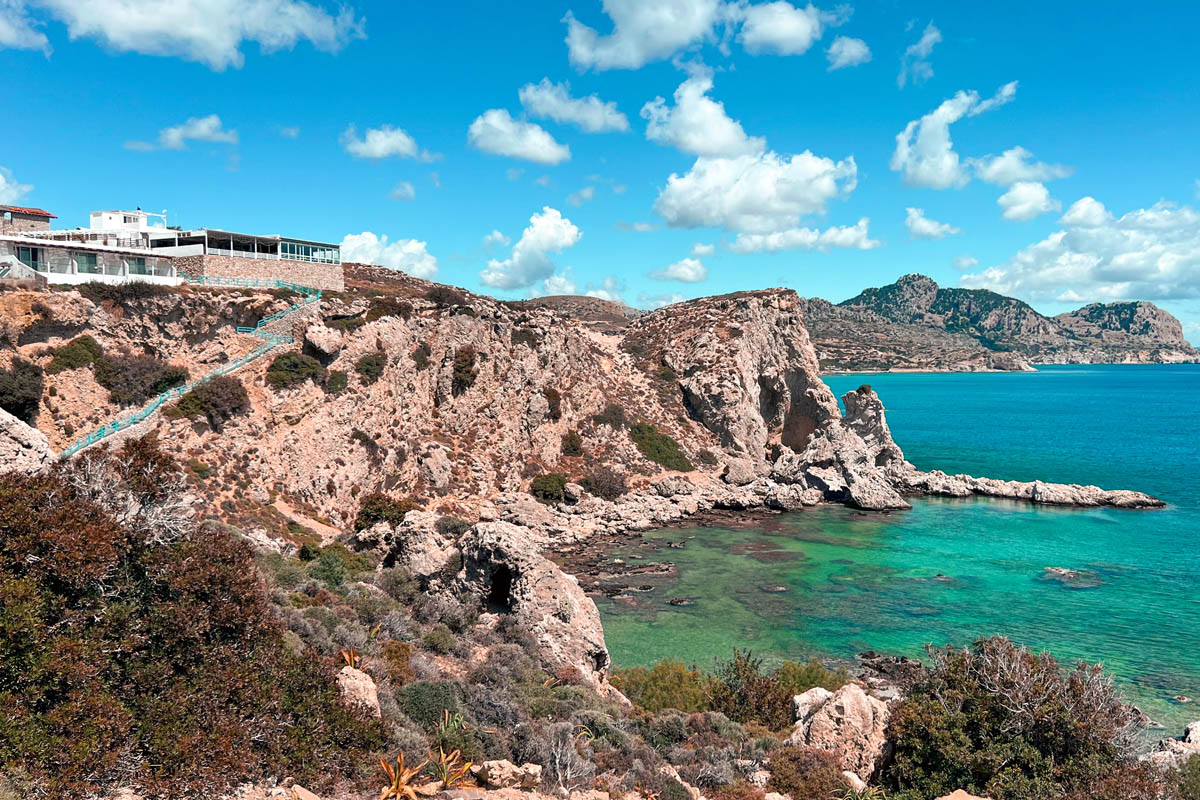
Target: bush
<point>290,369</point>
<point>439,639</point>
<point>426,702</point>
<point>132,380</point>
<point>526,337</point>
<point>445,295</point>
<point>744,693</point>
<point>708,458</point>
<point>377,507</point>
<point>668,684</point>
<point>572,444</point>
<point>21,390</point>
<point>217,400</point>
<point>370,367</point>
<point>388,307</point>
<point>549,488</point>
<point>464,370</point>
<point>998,720</point>
<point>658,447</point>
<point>611,415</point>
<point>398,658</point>
<point>604,482</point>
<point>421,354</point>
<point>452,526</point>
<point>337,382</point>
<point>554,401</point>
<point>1189,779</point>
<point>146,656</point>
<point>82,351</point>
<point>797,678</point>
<point>806,772</point>
<point>120,293</point>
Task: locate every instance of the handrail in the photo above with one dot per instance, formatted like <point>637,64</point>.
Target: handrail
<point>270,342</point>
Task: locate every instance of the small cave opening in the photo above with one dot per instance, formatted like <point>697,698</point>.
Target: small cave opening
<point>500,583</point>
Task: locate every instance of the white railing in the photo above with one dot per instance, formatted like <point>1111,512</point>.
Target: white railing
<point>220,251</point>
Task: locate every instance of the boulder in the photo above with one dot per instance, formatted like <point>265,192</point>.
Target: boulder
<point>298,792</point>
<point>848,722</point>
<point>739,471</point>
<point>959,794</point>
<point>359,690</point>
<point>437,469</point>
<point>23,448</point>
<point>503,774</point>
<point>415,544</point>
<point>323,339</point>
<point>1174,753</point>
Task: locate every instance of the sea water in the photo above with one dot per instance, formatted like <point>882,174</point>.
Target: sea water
<point>832,582</point>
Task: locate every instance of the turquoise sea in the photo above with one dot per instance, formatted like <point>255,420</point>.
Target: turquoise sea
<point>832,582</point>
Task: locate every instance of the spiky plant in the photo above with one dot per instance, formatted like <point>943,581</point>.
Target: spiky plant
<point>400,779</point>
<point>448,770</point>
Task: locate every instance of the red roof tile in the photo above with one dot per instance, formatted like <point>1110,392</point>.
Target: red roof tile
<point>36,212</point>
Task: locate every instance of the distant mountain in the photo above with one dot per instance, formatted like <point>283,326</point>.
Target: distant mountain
<point>916,324</point>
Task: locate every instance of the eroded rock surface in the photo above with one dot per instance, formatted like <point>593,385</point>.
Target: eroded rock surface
<point>22,448</point>
<point>848,722</point>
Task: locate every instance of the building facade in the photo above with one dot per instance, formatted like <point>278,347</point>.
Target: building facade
<point>83,262</point>
<point>16,219</point>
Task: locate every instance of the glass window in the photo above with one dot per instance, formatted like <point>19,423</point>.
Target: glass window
<point>31,257</point>
<point>86,262</point>
<point>137,266</point>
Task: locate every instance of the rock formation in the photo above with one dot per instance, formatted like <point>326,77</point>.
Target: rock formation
<point>1175,752</point>
<point>848,722</point>
<point>22,448</point>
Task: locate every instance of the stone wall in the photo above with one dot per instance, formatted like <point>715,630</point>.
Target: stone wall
<point>21,223</point>
<point>318,276</point>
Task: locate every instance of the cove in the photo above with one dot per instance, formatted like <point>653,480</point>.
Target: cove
<point>832,582</point>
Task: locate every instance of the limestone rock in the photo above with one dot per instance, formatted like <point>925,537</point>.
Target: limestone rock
<point>437,469</point>
<point>298,792</point>
<point>848,722</point>
<point>739,471</point>
<point>959,794</point>
<point>503,774</point>
<point>1173,753</point>
<point>358,689</point>
<point>23,448</point>
<point>415,543</point>
<point>323,339</point>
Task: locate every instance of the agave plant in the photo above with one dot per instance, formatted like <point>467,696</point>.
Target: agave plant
<point>400,779</point>
<point>351,657</point>
<point>448,770</point>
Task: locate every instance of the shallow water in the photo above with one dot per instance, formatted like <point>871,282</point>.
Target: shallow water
<point>954,570</point>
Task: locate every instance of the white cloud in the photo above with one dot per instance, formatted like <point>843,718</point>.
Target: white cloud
<point>199,129</point>
<point>435,179</point>
<point>211,32</point>
<point>914,64</point>
<point>496,238</point>
<point>290,132</point>
<point>700,249</point>
<point>513,173</point>
<point>922,227</point>
<point>382,142</point>
<point>406,255</point>
<point>855,237</point>
<point>964,263</point>
<point>548,100</point>
<point>560,283</point>
<point>637,227</point>
<point>1015,165</point>
<point>1027,199</point>
<point>1147,254</point>
<point>781,28</point>
<point>653,301</point>
<point>642,32</point>
<point>687,270</point>
<point>847,52</point>
<point>548,232</point>
<point>754,193</point>
<point>403,191</point>
<point>609,289</point>
<point>697,123</point>
<point>10,189</point>
<point>495,131</point>
<point>924,153</point>
<point>582,196</point>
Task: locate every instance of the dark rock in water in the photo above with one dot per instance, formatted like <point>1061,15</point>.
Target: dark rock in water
<point>767,552</point>
<point>1143,719</point>
<point>1073,578</point>
<point>682,601</point>
<point>1181,699</point>
<point>776,589</point>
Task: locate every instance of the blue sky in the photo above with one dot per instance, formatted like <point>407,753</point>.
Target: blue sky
<point>777,157</point>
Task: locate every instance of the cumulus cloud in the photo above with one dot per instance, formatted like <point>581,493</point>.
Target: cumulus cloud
<point>697,123</point>
<point>700,249</point>
<point>1016,165</point>
<point>406,255</point>
<point>609,289</point>
<point>784,29</point>
<point>198,129</point>
<point>496,238</point>
<point>548,232</point>
<point>761,193</point>
<point>559,283</point>
<point>211,32</point>
<point>847,52</point>
<point>914,64</point>
<point>10,189</point>
<point>652,301</point>
<point>924,152</point>
<point>1027,199</point>
<point>548,100</point>
<point>382,142</point>
<point>1147,254</point>
<point>687,270</point>
<point>854,237</point>
<point>642,32</point>
<point>964,263</point>
<point>495,131</point>
<point>637,227</point>
<point>582,196</point>
<point>922,227</point>
<point>403,191</point>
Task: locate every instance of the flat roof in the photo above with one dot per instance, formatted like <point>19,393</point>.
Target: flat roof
<point>275,237</point>
<point>67,244</point>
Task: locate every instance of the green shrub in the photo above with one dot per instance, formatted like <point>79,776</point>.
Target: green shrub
<point>526,337</point>
<point>999,720</point>
<point>389,307</point>
<point>572,444</point>
<point>132,380</point>
<point>370,367</point>
<point>1189,779</point>
<point>82,351</point>
<point>289,369</point>
<point>21,390</point>
<point>806,772</point>
<point>309,552</point>
<point>439,639</point>
<point>554,401</point>
<point>548,488</point>
<point>708,458</point>
<point>426,702</point>
<point>658,447</point>
<point>464,370</point>
<point>421,354</point>
<point>132,658</point>
<point>397,656</point>
<point>217,400</point>
<point>337,382</point>
<point>797,678</point>
<point>120,293</point>
<point>604,482</point>
<point>744,693</point>
<point>336,563</point>
<point>668,684</point>
<point>452,526</point>
<point>611,415</point>
<point>446,295</point>
<point>377,507</point>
